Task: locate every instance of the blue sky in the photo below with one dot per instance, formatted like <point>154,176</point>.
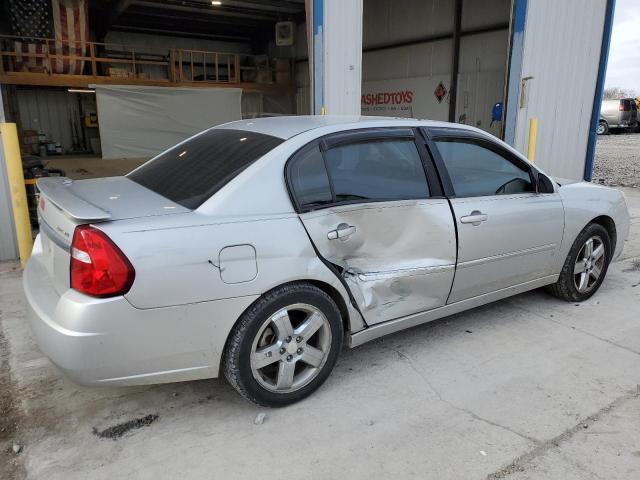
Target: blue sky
<point>623,69</point>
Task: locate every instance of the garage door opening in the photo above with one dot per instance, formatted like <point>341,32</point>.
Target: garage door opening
<point>437,60</point>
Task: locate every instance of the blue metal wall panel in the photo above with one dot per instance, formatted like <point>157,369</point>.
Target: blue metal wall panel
<point>515,70</point>
<point>318,56</point>
<point>597,102</point>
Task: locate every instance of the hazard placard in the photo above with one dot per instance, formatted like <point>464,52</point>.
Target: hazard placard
<point>440,92</point>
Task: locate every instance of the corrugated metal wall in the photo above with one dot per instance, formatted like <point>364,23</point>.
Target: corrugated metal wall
<point>54,112</point>
<point>561,54</point>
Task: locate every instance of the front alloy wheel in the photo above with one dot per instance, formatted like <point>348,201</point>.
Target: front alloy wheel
<point>589,264</point>
<point>586,265</point>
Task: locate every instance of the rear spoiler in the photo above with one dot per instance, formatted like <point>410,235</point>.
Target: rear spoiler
<point>58,191</point>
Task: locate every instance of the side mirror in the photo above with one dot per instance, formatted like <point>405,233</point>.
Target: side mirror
<point>545,185</point>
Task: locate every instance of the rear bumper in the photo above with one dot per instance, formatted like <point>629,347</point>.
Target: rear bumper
<point>108,341</point>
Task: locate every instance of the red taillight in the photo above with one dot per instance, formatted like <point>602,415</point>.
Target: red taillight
<point>98,266</point>
<point>621,107</point>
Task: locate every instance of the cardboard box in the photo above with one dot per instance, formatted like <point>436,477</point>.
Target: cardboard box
<point>282,65</point>
<point>283,78</point>
<point>119,72</point>
<point>264,76</point>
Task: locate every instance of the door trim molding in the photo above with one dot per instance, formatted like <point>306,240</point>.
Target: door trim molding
<point>504,256</point>
<point>392,326</point>
<point>406,272</point>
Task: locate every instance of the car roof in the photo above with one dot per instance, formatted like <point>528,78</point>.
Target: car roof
<point>286,127</point>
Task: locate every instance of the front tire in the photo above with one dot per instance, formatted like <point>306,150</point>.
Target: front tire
<point>585,266</point>
<point>284,346</point>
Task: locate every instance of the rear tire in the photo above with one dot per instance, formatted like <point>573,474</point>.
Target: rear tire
<point>284,346</point>
<point>585,266</point>
<point>602,128</point>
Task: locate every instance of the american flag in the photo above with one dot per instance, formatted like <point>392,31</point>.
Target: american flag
<point>64,21</point>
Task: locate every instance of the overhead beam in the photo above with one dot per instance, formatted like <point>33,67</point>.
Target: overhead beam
<point>142,14</point>
<point>435,38</point>
<point>204,10</point>
<point>282,7</point>
<point>181,33</point>
<point>84,81</point>
<point>114,13</point>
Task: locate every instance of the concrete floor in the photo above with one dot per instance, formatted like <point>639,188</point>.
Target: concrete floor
<point>527,388</point>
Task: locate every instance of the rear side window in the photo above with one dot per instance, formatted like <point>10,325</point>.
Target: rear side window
<point>377,170</point>
<point>191,172</point>
<point>477,170</point>
<point>629,105</point>
<point>309,180</point>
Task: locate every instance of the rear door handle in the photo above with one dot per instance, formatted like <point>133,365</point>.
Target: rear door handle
<point>343,231</point>
<point>475,218</point>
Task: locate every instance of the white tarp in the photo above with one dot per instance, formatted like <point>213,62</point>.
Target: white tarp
<point>137,122</point>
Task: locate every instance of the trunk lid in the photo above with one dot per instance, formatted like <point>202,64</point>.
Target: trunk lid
<point>64,204</point>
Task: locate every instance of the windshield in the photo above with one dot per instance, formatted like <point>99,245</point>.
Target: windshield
<point>194,170</point>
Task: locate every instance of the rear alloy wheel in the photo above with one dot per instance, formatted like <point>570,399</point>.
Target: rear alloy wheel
<point>585,266</point>
<point>284,358</point>
<point>285,346</point>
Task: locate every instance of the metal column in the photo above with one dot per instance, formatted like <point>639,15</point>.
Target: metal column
<point>514,70</point>
<point>597,101</point>
<point>317,55</point>
<point>455,61</point>
<point>336,56</point>
<point>8,243</point>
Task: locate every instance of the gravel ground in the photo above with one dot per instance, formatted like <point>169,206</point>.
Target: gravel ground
<point>618,160</point>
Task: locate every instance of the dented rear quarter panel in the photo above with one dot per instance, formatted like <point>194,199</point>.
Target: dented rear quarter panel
<point>177,259</point>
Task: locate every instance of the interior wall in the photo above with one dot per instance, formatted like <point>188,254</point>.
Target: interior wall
<point>481,79</point>
<point>422,65</point>
<point>58,114</point>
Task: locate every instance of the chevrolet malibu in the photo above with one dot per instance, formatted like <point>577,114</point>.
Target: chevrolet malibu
<point>255,249</point>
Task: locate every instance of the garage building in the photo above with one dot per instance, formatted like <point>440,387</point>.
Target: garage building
<point>105,85</point>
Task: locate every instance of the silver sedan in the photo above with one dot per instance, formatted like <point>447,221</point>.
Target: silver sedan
<point>255,249</point>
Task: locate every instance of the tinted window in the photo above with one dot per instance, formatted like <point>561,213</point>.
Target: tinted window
<point>193,171</point>
<point>477,170</point>
<point>629,105</point>
<point>377,170</point>
<point>309,179</point>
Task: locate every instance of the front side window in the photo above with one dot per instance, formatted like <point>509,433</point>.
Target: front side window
<point>377,170</point>
<point>192,171</point>
<point>476,170</point>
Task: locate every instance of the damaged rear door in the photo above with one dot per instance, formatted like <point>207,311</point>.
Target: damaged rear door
<point>373,207</point>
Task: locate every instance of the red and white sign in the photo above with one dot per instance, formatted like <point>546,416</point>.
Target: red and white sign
<point>404,97</point>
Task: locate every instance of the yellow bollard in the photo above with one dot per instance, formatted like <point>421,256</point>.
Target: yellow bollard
<point>11,149</point>
<point>533,132</point>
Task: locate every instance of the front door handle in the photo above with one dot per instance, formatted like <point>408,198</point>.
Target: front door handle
<point>342,231</point>
<point>474,218</point>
